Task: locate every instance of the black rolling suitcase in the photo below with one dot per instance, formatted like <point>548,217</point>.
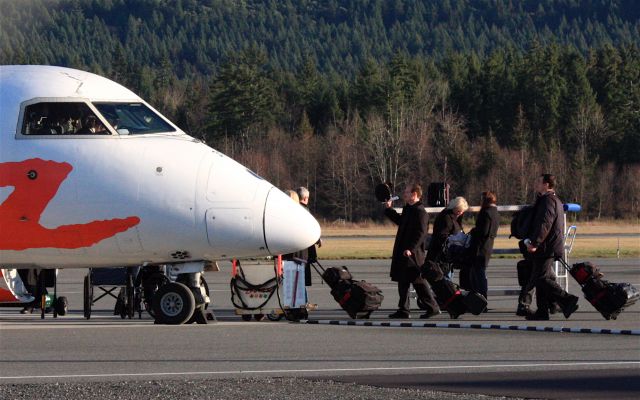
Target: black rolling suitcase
<point>457,302</point>
<point>358,298</point>
<point>449,296</point>
<point>609,298</point>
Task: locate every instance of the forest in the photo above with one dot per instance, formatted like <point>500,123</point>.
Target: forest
<point>340,95</point>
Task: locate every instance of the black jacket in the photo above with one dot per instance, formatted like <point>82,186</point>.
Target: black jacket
<point>445,224</point>
<point>483,235</point>
<point>412,230</point>
<point>546,228</point>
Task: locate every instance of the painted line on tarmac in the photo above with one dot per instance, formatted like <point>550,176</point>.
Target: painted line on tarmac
<point>329,370</point>
<point>398,324</point>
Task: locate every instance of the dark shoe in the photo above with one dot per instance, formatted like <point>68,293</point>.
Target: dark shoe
<point>430,314</point>
<point>571,306</point>
<point>537,317</point>
<point>26,310</point>
<point>523,310</point>
<point>400,315</point>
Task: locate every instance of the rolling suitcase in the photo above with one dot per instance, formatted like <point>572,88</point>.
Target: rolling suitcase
<point>449,296</point>
<point>609,298</point>
<point>358,298</point>
<point>457,302</point>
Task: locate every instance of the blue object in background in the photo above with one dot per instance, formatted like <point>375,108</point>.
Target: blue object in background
<point>572,207</point>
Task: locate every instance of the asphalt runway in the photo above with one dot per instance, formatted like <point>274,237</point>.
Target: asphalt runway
<point>72,350</point>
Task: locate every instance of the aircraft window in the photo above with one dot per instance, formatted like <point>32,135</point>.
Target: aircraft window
<point>62,118</point>
<point>133,118</point>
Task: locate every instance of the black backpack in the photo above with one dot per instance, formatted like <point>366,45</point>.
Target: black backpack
<point>521,222</point>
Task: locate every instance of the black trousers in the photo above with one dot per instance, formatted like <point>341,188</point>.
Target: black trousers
<point>547,289</point>
<point>478,279</point>
<point>424,292</point>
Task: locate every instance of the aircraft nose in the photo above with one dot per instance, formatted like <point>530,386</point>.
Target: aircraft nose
<point>288,227</point>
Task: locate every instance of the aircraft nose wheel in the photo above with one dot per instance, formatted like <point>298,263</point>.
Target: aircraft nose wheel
<point>173,304</point>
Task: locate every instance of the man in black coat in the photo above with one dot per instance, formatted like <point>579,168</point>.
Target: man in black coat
<point>545,243</point>
<point>409,252</point>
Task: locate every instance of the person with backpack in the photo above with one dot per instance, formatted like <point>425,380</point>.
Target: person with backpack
<point>545,242</point>
<point>409,252</point>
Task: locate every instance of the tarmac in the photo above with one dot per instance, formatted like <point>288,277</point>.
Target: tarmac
<point>584,356</point>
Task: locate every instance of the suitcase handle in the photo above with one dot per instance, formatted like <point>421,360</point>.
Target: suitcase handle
<point>316,265</point>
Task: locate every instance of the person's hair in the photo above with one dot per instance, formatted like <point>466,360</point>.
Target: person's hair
<point>458,204</point>
<point>303,192</point>
<point>417,189</point>
<point>549,179</point>
<point>293,195</point>
<point>489,198</point>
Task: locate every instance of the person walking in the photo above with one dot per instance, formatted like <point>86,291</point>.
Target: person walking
<point>481,247</point>
<point>545,243</point>
<point>409,251</point>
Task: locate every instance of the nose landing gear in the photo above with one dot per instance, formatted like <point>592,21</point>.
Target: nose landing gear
<point>183,300</point>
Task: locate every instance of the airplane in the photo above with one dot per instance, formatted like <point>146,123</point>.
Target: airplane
<point>92,176</point>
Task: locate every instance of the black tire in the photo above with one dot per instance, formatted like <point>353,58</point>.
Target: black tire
<point>130,297</point>
<point>246,317</point>
<point>173,304</point>
<point>258,317</point>
<point>61,306</point>
<point>121,303</point>
<point>87,297</point>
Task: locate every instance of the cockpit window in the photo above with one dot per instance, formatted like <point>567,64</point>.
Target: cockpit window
<point>62,118</point>
<point>133,118</point>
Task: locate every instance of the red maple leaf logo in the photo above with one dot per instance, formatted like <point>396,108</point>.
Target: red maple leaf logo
<point>35,183</point>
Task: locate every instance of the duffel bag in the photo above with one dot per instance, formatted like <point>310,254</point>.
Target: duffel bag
<point>357,298</point>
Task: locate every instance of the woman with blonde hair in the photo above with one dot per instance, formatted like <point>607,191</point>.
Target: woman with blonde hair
<point>293,195</point>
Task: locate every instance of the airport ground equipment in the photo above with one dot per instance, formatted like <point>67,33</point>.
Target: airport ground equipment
<point>255,288</point>
<point>20,288</point>
<point>48,279</point>
<point>609,298</point>
<point>117,283</point>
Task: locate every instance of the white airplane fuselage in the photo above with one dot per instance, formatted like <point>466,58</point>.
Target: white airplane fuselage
<point>120,198</point>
